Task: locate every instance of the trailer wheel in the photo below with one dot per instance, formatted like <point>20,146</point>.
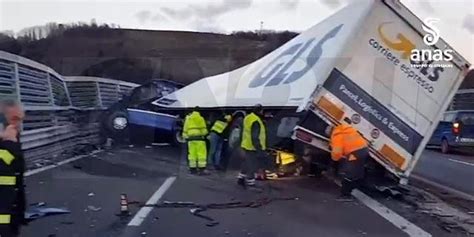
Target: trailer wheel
<point>445,149</point>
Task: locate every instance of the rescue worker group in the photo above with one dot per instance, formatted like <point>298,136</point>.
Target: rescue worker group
<point>349,150</point>
<point>349,153</point>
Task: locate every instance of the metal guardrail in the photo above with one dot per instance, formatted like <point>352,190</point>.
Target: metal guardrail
<point>463,100</point>
<point>61,112</point>
<point>95,92</point>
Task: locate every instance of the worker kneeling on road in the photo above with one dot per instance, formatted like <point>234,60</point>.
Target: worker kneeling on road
<point>216,138</point>
<point>12,168</point>
<point>195,132</point>
<point>253,144</point>
<point>349,148</point>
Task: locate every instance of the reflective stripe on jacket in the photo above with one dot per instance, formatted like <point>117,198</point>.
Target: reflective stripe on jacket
<point>5,219</point>
<point>219,126</point>
<point>344,140</point>
<point>194,126</point>
<point>12,201</point>
<point>247,142</point>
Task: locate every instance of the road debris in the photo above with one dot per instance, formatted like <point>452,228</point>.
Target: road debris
<point>91,194</point>
<point>393,191</point>
<point>450,218</point>
<point>67,222</point>
<point>38,204</point>
<point>198,209</point>
<point>93,208</point>
<point>39,212</point>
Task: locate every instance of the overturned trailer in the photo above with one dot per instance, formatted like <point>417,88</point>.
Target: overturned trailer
<point>370,62</point>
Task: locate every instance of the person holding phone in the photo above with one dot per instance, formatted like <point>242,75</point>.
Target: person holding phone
<point>12,168</point>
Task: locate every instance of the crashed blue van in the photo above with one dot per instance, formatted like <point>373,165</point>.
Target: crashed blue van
<point>134,118</point>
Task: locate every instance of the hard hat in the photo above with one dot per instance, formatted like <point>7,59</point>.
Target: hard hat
<point>228,118</point>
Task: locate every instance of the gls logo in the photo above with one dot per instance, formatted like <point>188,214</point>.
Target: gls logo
<point>276,72</point>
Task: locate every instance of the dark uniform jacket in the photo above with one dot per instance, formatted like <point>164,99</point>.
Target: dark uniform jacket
<point>12,192</point>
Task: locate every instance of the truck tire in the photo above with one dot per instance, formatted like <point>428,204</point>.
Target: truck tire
<point>445,149</point>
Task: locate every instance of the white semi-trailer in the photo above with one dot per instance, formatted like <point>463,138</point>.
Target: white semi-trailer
<point>374,62</point>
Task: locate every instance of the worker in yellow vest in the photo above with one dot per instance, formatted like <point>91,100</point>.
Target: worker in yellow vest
<point>12,168</point>
<point>195,132</point>
<point>253,144</point>
<point>216,139</point>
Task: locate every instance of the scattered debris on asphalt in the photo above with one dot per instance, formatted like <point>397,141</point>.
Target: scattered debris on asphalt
<point>67,222</point>
<point>108,143</point>
<point>393,191</point>
<point>93,208</point>
<point>91,194</point>
<point>198,209</point>
<point>449,217</point>
<point>38,204</point>
<point>197,212</point>
<point>34,213</point>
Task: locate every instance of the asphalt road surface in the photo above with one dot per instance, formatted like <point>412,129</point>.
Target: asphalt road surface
<point>91,188</point>
<point>452,170</point>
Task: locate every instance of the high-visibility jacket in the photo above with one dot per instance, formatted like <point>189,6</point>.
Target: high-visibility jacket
<point>344,141</point>
<point>247,142</point>
<point>194,126</point>
<point>12,193</point>
<point>219,126</point>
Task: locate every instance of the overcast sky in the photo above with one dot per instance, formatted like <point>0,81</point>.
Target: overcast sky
<point>457,16</point>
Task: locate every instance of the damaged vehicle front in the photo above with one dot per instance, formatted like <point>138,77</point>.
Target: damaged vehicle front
<point>133,118</point>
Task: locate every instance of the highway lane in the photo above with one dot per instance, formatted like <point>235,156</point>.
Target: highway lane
<point>141,173</point>
<point>96,182</point>
<point>452,170</point>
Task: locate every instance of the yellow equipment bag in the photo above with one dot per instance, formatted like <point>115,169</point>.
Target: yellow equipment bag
<point>284,158</point>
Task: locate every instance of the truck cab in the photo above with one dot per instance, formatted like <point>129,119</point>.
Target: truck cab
<point>454,131</point>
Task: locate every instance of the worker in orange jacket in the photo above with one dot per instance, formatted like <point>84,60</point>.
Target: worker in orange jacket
<point>350,150</point>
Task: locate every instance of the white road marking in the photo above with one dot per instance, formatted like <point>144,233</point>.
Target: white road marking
<point>145,211</point>
<point>403,224</point>
<point>462,162</point>
<point>48,167</point>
